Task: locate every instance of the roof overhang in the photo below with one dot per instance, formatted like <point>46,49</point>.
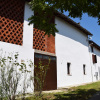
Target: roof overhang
<point>67,19</point>
<point>94,44</point>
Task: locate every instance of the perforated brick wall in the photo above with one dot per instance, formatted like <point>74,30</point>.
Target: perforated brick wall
<point>39,40</point>
<point>11,21</point>
<point>43,42</point>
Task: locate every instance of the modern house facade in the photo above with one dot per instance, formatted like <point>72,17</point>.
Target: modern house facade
<point>74,58</point>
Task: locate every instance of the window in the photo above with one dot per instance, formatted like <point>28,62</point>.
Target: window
<point>68,68</point>
<point>84,69</point>
<point>94,58</point>
<point>92,49</point>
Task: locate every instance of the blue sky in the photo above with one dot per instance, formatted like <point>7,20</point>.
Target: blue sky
<point>91,25</point>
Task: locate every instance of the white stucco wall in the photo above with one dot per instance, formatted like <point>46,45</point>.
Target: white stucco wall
<point>25,55</point>
<point>27,29</point>
<point>71,46</point>
<point>26,51</point>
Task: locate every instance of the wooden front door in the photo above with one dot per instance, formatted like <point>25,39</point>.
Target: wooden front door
<point>51,77</point>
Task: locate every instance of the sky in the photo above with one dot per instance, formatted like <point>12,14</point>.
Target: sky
<point>91,24</point>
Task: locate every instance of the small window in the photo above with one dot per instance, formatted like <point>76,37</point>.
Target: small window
<point>94,59</point>
<point>92,49</point>
<point>68,68</point>
<point>84,69</point>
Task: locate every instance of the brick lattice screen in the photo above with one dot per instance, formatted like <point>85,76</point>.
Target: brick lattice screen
<point>11,21</point>
<point>43,42</point>
<point>39,40</point>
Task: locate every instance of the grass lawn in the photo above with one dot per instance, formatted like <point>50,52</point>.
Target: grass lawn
<point>83,92</point>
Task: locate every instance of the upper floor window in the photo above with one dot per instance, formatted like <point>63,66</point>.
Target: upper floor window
<point>94,58</point>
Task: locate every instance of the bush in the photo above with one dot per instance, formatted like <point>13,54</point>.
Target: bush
<point>10,75</point>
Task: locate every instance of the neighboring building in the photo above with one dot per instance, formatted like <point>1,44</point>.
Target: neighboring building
<point>95,60</point>
<point>71,57</point>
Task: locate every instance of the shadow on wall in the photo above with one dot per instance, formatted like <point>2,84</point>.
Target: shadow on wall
<point>71,32</point>
<point>80,94</point>
<point>12,9</point>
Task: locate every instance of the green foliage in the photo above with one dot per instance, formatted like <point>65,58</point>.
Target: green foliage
<point>10,75</point>
<point>44,11</point>
<point>43,18</point>
<point>11,72</point>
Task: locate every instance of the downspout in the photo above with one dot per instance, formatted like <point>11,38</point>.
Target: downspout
<point>89,46</point>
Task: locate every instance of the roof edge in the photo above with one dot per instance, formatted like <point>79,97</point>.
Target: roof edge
<point>70,21</point>
<point>94,44</point>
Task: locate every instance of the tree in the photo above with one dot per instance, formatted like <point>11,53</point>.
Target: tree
<point>45,10</point>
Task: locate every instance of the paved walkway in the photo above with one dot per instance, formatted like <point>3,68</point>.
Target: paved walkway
<point>96,96</point>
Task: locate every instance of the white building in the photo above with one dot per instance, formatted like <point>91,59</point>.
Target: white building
<point>70,52</point>
<point>95,60</point>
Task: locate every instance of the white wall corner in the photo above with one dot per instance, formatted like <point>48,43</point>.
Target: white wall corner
<point>27,29</point>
